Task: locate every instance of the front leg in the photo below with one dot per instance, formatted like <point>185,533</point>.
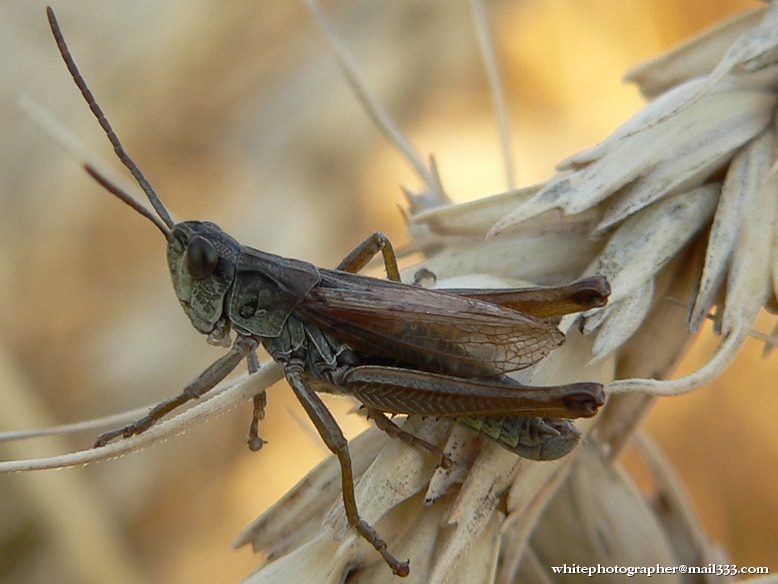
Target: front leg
<point>336,442</point>
<point>204,382</point>
<point>255,441</point>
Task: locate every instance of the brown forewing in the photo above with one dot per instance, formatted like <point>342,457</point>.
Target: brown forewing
<point>431,330</point>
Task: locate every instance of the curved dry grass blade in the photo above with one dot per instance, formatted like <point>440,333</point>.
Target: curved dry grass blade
<point>489,59</point>
<point>742,55</point>
<point>741,186</point>
<point>370,103</point>
<point>224,399</point>
<point>694,58</point>
<point>91,425</point>
<point>645,243</point>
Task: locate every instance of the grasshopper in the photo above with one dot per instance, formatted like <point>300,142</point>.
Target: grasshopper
<point>397,348</point>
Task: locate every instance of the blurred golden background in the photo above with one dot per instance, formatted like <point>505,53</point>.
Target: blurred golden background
<point>237,113</point>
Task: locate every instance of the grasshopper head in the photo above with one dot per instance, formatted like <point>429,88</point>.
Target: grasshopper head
<point>202,262</point>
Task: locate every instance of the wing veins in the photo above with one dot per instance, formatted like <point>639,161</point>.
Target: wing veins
<point>430,329</point>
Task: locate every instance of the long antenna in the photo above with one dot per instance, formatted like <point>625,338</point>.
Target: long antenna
<point>166,223</point>
<point>124,197</point>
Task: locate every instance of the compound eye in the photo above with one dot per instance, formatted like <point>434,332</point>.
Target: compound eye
<point>201,257</point>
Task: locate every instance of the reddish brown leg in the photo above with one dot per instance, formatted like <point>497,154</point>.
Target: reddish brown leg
<point>336,442</point>
<point>394,431</point>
